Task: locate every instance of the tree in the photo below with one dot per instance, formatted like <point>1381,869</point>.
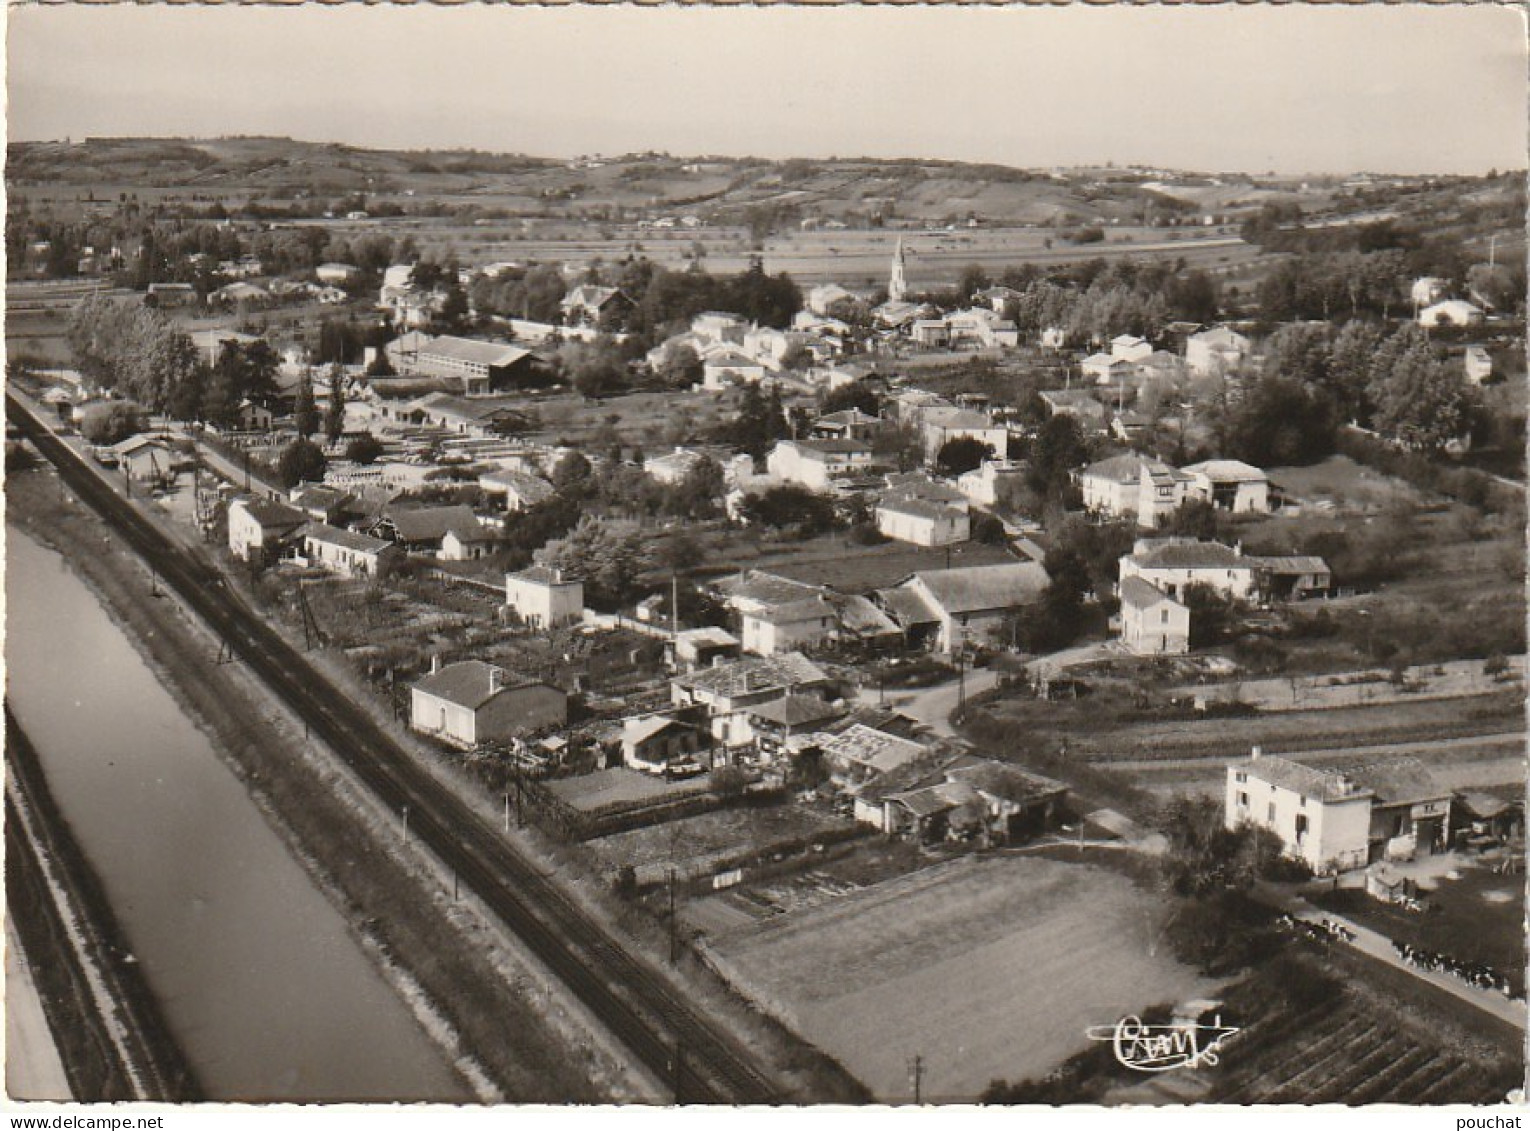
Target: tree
<point>1059,449</point>
<point>789,506</point>
<point>961,455</point>
<point>1349,368</point>
<point>606,555</point>
<point>595,369</point>
<point>334,416</point>
<point>857,394</point>
<point>1421,401</point>
<point>697,495</point>
<point>112,422</point>
<point>728,782</point>
<point>305,415</point>
<point>1281,422</point>
<point>301,461</point>
<point>679,367</point>
<point>973,279</point>
<point>571,475</point>
<point>364,449</point>
<point>1210,615</point>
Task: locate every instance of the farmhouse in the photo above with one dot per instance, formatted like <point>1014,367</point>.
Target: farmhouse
<point>1133,485</point>
<point>425,529</point>
<point>860,753</point>
<point>323,504</point>
<point>941,425</point>
<point>1129,347</point>
<point>259,528</point>
<point>850,424</point>
<point>1152,622</point>
<point>1229,485</point>
<point>1106,369</point>
<point>828,300</point>
<point>471,703</point>
<point>999,803</point>
<point>589,305</point>
<point>984,485</point>
<point>1337,818</point>
<point>541,597</point>
<point>702,647</point>
<point>346,552</point>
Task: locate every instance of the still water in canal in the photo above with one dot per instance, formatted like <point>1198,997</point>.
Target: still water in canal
<point>266,992</point>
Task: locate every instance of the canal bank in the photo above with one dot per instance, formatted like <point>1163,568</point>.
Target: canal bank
<point>408,927</point>
<point>110,1035</point>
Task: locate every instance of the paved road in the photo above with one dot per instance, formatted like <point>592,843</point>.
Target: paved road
<point>933,706</point>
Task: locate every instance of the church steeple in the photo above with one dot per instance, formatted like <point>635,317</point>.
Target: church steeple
<point>897,287</point>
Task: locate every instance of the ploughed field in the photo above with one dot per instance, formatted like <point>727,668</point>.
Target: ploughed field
<point>985,968</point>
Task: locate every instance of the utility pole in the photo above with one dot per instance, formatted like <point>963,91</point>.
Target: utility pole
<point>916,1071</point>
<point>507,810</point>
<point>403,824</point>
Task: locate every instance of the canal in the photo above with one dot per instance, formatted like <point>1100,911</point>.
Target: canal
<point>268,994</point>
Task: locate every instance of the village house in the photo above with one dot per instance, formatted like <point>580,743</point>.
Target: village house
<point>143,459</point>
<point>543,598</point>
<point>590,305</point>
<point>1104,369</point>
<point>1478,365</point>
<point>950,608</point>
<point>790,724</point>
<point>1428,290</point>
<point>1229,485</point>
<point>694,648</point>
<point>849,424</point>
<point>1173,565</point>
<point>1077,403</point>
<point>1452,312</point>
<point>977,798</point>
<point>1129,347</point>
<point>905,518</point>
<point>817,464</point>
<point>1133,486</point>
<point>861,753</point>
<point>1152,622</point>
<point>324,504</point>
<point>461,415</point>
<point>471,703</point>
<point>258,529</point>
<point>1340,817</point>
<point>942,425</point>
<point>425,530</point>
<point>519,489</point>
<point>729,691</point>
<point>672,468</point>
<point>1215,352</point>
<point>346,552</point>
<point>664,746</point>
<point>724,367</point>
<point>986,484</point>
<point>778,614</point>
<point>830,300</point>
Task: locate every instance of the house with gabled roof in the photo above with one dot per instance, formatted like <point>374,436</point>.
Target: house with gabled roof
<point>1229,485</point>
<point>588,304</point>
<point>1133,486</point>
<point>1077,403</point>
<point>519,489</point>
<point>472,703</point>
<point>1152,622</point>
<point>1340,816</point>
<point>543,598</point>
<point>346,552</point>
<point>665,746</point>
<point>954,607</point>
<point>259,529</point>
<point>728,691</point>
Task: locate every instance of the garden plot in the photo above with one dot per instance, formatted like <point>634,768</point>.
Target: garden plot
<point>986,969</point>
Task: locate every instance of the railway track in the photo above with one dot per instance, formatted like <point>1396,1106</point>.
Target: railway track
<point>632,998</point>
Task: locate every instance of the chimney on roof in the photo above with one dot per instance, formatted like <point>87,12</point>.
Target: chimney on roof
<point>435,662</point>
<point>1254,754</point>
<point>496,680</point>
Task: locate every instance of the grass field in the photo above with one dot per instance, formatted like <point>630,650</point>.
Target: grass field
<point>986,968</point>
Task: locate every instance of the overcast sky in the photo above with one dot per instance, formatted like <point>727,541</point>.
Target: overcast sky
<point>1290,88</point>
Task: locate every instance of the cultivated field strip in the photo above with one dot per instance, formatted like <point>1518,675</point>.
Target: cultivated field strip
<point>634,1000</point>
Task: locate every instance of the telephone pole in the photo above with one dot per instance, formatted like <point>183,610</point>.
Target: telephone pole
<point>674,936</point>
<point>916,1071</point>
